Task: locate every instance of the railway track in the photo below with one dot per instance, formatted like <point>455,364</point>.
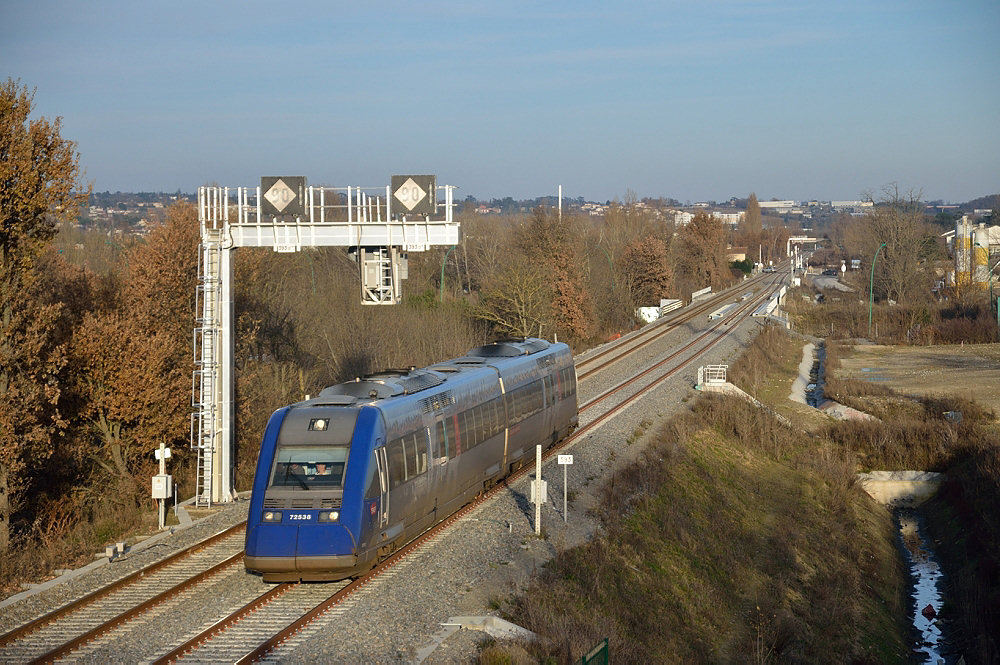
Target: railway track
<point>274,617</point>
<point>628,344</point>
<point>85,620</point>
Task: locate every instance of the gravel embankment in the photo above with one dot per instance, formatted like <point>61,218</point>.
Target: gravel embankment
<point>398,618</point>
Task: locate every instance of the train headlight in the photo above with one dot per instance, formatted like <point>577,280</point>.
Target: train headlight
<point>329,516</point>
<point>318,424</point>
<point>272,516</point>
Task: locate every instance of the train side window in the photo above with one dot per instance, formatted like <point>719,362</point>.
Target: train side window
<point>397,463</point>
<point>498,415</point>
<point>487,413</point>
<point>441,435</point>
<point>472,421</point>
<point>372,485</point>
<point>451,434</point>
<point>569,382</point>
<point>409,456</point>
<point>468,432</point>
<point>463,430</point>
<point>421,441</point>
<point>483,421</point>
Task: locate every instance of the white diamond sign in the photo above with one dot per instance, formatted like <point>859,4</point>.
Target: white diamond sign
<point>280,195</point>
<point>410,194</point>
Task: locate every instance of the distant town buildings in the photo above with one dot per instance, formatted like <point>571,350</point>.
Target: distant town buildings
<point>139,213</point>
<point>122,213</point>
<point>777,206</point>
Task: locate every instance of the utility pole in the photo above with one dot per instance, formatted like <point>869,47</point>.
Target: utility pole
<point>871,290</point>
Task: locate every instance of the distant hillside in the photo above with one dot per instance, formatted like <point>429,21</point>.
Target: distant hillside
<point>991,202</point>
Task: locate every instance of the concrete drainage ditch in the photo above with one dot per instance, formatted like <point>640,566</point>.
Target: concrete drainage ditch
<point>903,492</point>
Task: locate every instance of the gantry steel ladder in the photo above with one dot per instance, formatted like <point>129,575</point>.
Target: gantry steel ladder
<point>205,428</point>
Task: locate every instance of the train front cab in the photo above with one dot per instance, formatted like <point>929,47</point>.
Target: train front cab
<point>308,511</point>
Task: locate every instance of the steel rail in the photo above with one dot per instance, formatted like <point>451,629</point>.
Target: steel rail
<point>35,624</point>
<point>224,623</point>
<point>694,342</point>
<point>134,612</point>
<point>658,330</point>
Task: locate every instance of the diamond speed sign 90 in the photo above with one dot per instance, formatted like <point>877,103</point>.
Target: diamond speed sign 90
<point>282,195</point>
<point>416,194</point>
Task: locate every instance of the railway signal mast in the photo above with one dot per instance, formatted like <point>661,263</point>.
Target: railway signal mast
<point>378,225</point>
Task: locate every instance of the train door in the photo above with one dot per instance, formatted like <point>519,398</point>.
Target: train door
<point>504,422</point>
<point>383,480</point>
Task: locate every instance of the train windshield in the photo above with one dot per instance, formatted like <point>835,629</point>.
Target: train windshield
<point>309,467</point>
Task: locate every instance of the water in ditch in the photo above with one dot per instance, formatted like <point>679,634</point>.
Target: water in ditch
<point>925,596</point>
<point>817,375</point>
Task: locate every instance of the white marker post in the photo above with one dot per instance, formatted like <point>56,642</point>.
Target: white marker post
<point>565,460</point>
<point>163,486</point>
<point>538,490</point>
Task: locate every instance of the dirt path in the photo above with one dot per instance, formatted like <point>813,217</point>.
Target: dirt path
<point>970,370</point>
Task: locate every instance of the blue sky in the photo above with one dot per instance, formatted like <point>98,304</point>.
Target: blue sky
<point>693,100</point>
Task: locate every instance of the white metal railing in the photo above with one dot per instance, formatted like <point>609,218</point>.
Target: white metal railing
<point>712,373</point>
<point>322,205</point>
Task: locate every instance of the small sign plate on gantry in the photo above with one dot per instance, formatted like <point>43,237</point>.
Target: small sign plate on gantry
<point>282,195</point>
<point>414,194</point>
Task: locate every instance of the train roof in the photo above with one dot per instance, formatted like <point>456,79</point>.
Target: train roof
<point>387,383</point>
<point>395,382</point>
<point>510,348</point>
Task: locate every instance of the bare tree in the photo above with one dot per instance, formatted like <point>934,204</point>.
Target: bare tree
<point>517,302</point>
<point>898,223</point>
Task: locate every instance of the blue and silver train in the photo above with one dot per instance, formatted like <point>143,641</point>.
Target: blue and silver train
<point>346,478</point>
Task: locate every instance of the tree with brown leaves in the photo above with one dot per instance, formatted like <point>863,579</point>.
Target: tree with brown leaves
<point>701,254</point>
<point>646,264</point>
<point>132,362</point>
<point>549,243</point>
<point>39,174</point>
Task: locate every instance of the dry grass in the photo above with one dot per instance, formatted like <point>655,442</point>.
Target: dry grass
<point>65,533</point>
<point>732,538</point>
<point>846,316</point>
<point>965,522</point>
<point>768,367</point>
